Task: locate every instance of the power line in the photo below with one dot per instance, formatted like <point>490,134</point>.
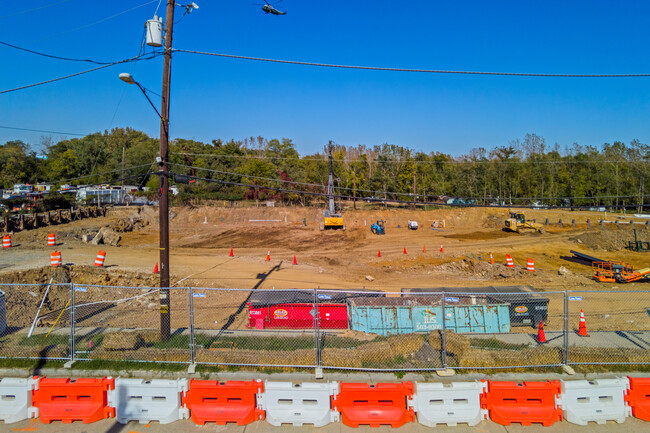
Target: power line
<point>133,59</point>
<point>34,9</point>
<point>53,56</point>
<point>43,130</point>
<point>428,71</point>
<point>411,161</point>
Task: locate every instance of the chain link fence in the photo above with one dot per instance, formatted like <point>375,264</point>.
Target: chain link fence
<point>416,330</point>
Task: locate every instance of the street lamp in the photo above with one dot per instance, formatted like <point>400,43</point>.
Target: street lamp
<point>163,216</point>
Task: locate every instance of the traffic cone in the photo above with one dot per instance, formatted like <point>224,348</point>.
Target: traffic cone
<point>295,262</point>
<point>231,253</point>
<point>268,256</point>
<point>404,250</point>
<point>541,336</point>
<point>424,250</point>
<point>491,259</point>
<point>582,328</point>
<point>441,249</point>
<point>379,253</point>
<point>155,268</point>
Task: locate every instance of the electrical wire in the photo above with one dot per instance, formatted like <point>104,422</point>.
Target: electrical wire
<point>34,9</point>
<point>133,59</point>
<point>70,59</point>
<point>429,71</point>
<point>43,131</point>
<point>412,161</point>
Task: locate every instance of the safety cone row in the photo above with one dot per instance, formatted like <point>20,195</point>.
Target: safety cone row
<point>582,327</point>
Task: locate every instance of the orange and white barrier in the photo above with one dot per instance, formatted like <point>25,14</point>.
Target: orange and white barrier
<point>509,262</point>
<point>530,265</point>
<point>55,258</point>
<point>51,240</point>
<point>6,241</point>
<point>99,260</point>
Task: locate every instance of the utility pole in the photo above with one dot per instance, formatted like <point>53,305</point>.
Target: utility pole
<point>123,171</point>
<point>414,190</point>
<point>354,186</point>
<point>165,314</point>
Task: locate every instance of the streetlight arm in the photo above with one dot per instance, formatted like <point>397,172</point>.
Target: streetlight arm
<point>144,92</point>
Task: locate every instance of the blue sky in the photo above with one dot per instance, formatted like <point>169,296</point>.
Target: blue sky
<point>225,98</point>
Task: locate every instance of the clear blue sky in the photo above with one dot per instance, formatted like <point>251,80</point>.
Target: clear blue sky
<point>224,98</point>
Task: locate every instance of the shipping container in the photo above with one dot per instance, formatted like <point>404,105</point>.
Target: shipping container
<point>526,306</point>
<point>296,309</point>
<point>389,316</point>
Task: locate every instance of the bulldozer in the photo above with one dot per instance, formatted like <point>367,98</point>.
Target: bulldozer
<point>517,223</point>
<point>331,219</point>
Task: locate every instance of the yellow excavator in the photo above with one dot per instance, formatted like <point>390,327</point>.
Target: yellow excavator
<point>517,223</point>
<point>331,219</point>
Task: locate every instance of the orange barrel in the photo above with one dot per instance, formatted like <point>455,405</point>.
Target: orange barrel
<point>530,265</point>
<point>99,260</point>
<point>509,262</point>
<point>55,258</point>
<point>51,240</point>
<point>6,241</point>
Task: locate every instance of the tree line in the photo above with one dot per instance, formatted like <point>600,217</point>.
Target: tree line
<point>524,171</point>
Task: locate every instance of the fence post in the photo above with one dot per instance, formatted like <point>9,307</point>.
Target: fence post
<point>565,344</point>
<point>190,303</point>
<point>444,334</point>
<point>317,343</point>
<point>72,324</point>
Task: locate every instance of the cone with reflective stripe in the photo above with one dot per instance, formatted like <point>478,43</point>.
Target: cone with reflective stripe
<point>295,262</point>
<point>582,328</point>
<point>441,249</point>
<point>530,265</point>
<point>232,253</point>
<point>268,256</point>
<point>99,260</point>
<point>51,240</point>
<point>155,268</point>
<point>404,250</point>
<point>491,259</point>
<point>541,336</point>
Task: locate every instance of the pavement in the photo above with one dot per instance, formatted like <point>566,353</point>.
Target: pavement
<point>112,426</point>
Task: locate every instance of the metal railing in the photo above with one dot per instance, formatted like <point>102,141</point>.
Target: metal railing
<point>352,330</point>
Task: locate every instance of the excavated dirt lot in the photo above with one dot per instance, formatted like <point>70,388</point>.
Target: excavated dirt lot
<point>201,239</point>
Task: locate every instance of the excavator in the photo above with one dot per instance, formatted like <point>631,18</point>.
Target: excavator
<point>517,223</point>
<point>331,219</point>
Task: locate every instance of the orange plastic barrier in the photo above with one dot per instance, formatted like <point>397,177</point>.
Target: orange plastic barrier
<point>99,260</point>
<point>374,405</point>
<point>224,402</point>
<point>69,400</point>
<point>55,258</point>
<point>527,403</point>
<point>6,241</point>
<point>51,240</point>
<point>638,397</point>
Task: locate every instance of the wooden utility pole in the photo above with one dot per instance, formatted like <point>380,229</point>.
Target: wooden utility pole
<point>123,171</point>
<point>414,190</point>
<point>165,314</point>
<point>354,188</point>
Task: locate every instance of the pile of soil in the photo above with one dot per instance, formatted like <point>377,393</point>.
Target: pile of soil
<point>80,274</point>
<point>607,239</point>
<point>477,269</point>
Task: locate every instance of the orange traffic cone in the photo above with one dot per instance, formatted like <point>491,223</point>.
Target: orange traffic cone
<point>295,262</point>
<point>582,328</point>
<point>379,253</point>
<point>424,250</point>
<point>541,336</point>
<point>268,256</point>
<point>404,250</point>
<point>231,253</point>
<point>441,249</point>
<point>491,259</point>
<point>155,268</point>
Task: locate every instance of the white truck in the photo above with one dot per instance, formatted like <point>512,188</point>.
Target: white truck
<point>413,225</point>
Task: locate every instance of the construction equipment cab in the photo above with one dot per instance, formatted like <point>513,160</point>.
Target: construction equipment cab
<point>332,220</point>
<point>378,228</point>
<point>517,223</point>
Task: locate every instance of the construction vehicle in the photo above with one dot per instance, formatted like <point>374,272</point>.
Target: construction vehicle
<point>331,219</point>
<point>378,228</point>
<point>412,225</point>
<point>610,271</point>
<point>517,223</point>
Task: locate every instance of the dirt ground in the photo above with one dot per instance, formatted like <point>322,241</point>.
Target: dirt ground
<point>455,255</point>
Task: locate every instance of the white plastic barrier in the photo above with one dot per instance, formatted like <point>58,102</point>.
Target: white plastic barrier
<point>148,400</point>
<point>449,403</point>
<point>598,400</point>
<point>16,399</point>
<point>298,404</point>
